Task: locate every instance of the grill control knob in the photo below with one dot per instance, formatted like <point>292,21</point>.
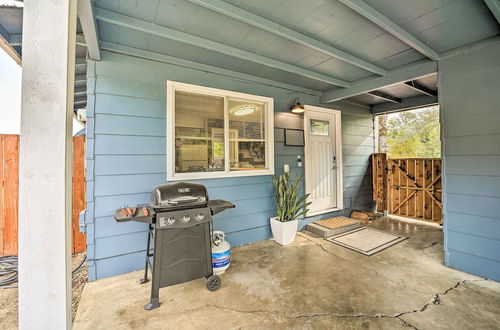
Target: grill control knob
<point>185,218</point>
<point>200,216</point>
<point>170,220</point>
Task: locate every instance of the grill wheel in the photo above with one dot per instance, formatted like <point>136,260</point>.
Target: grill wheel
<point>213,282</point>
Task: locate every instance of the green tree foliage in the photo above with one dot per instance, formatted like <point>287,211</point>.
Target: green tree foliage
<point>414,134</point>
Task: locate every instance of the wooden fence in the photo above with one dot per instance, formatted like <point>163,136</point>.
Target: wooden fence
<point>408,187</point>
<point>9,192</point>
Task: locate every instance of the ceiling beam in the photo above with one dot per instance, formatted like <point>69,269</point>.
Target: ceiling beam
<point>89,27</point>
<point>260,22</point>
<point>406,104</point>
<point>415,85</point>
<point>148,55</point>
<point>384,96</point>
<point>80,40</point>
<point>80,78</point>
<point>395,76</point>
<point>384,22</point>
<point>7,47</point>
<point>164,32</point>
<point>494,6</point>
<point>80,105</point>
<point>16,39</point>
<point>80,99</point>
<point>80,91</point>
<point>80,61</point>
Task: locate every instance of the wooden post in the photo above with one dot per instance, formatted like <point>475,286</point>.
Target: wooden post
<point>49,29</point>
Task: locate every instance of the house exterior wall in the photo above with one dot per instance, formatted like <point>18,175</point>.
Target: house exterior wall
<point>126,157</point>
<point>469,93</point>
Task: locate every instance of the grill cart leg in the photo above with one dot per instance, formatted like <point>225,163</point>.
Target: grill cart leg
<point>145,279</point>
<point>156,273</point>
<point>153,304</point>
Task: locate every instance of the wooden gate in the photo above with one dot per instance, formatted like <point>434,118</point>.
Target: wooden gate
<point>379,177</point>
<point>411,187</point>
<point>9,192</point>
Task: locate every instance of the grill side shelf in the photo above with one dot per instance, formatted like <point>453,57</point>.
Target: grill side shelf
<point>219,205</point>
<point>138,217</point>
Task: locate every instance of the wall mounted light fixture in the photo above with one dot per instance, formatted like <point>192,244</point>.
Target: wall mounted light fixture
<point>297,107</point>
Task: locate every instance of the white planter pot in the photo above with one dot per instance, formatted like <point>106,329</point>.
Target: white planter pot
<point>284,232</point>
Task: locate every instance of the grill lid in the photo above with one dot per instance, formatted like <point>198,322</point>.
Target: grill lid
<point>179,195</point>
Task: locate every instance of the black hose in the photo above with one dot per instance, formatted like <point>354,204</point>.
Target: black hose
<point>8,268</point>
<point>80,265</point>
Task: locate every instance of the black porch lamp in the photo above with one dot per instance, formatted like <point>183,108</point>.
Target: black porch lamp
<point>297,107</point>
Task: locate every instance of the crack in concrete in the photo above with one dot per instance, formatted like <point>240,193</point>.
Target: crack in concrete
<point>435,300</point>
<point>358,264</point>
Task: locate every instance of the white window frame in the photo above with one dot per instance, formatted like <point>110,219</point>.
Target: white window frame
<point>173,86</point>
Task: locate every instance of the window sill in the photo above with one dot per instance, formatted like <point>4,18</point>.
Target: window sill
<point>217,175</point>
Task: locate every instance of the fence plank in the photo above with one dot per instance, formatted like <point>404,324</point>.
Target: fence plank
<point>79,239</point>
<point>78,202</point>
<point>9,193</point>
<point>2,215</point>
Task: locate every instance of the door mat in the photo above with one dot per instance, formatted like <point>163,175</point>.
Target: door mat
<point>332,226</point>
<point>366,240</point>
<point>336,222</point>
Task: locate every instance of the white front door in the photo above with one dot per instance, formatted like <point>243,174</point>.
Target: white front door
<point>323,159</point>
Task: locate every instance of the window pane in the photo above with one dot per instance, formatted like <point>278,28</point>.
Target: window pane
<point>320,127</point>
<point>199,132</point>
<point>247,137</point>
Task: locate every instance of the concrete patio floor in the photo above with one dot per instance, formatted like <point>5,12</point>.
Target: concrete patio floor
<point>309,284</point>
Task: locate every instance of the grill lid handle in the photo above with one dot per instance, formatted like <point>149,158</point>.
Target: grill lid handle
<point>182,200</point>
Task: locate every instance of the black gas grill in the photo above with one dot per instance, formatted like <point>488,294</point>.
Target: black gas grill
<point>180,217</point>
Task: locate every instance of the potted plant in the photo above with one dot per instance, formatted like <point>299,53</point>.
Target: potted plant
<point>290,208</point>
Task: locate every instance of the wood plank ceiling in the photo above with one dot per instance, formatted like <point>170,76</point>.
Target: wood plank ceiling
<point>11,24</point>
<point>321,45</point>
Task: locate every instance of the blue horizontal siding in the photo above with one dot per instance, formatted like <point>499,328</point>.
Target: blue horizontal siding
<point>129,158</point>
<point>475,245</point>
<point>129,125</point>
<point>483,206</point>
<point>119,264</point>
<point>130,106</point>
<point>107,226</point>
<point>116,245</point>
<point>469,99</point>
<point>357,140</point>
<point>474,264</point>
<point>488,165</point>
<point>129,164</point>
<point>124,145</point>
<point>473,145</point>
<point>249,236</point>
<point>476,185</point>
<point>105,206</point>
<point>468,125</point>
<point>474,225</point>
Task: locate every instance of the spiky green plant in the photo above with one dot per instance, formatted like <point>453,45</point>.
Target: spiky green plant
<point>290,206</point>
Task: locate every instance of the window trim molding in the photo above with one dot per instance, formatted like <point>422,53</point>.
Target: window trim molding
<point>171,87</point>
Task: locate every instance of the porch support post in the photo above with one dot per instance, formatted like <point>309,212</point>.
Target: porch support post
<point>49,28</point>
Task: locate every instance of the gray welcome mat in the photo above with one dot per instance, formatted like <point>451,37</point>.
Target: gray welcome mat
<point>366,240</point>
